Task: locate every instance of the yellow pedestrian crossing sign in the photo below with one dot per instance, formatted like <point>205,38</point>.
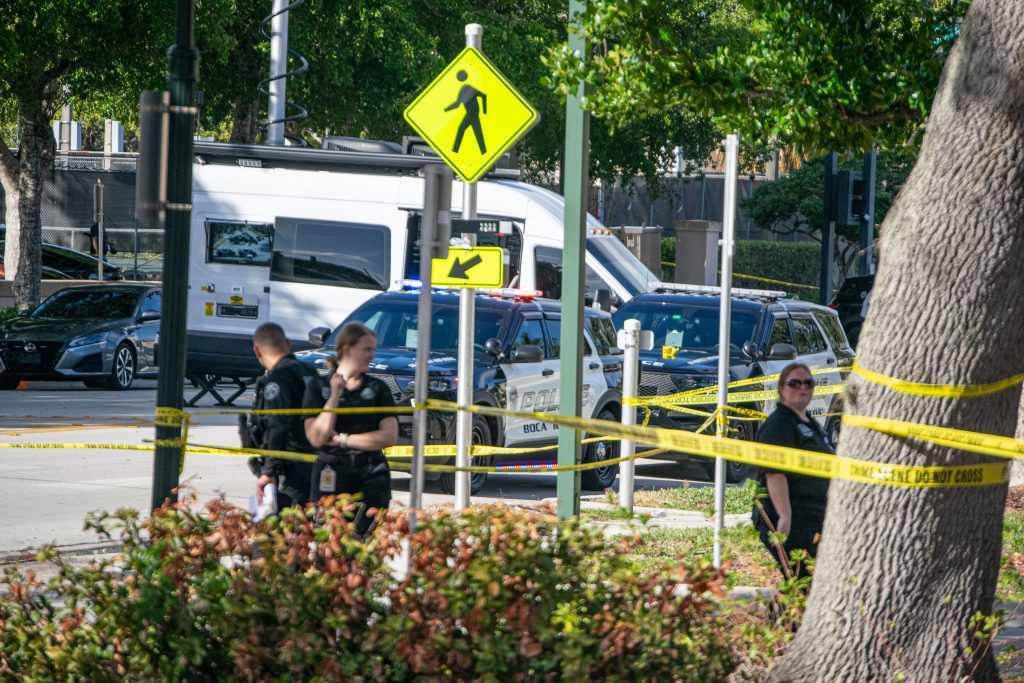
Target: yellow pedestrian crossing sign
<point>476,267</point>
<point>470,114</point>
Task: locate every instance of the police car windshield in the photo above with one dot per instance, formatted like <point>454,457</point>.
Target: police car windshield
<point>687,327</point>
<point>395,324</point>
<point>621,263</point>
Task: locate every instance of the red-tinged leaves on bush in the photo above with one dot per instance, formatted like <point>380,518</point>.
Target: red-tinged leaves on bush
<point>495,593</point>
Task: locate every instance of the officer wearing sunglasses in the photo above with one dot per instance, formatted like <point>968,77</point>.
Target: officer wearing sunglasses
<point>795,504</point>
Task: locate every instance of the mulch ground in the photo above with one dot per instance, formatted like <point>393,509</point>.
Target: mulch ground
<point>1015,499</point>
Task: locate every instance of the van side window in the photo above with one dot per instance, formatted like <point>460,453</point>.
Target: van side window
<point>239,243</point>
<point>548,270</point>
<point>352,255</point>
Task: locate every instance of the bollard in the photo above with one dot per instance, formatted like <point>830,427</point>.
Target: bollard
<point>629,339</point>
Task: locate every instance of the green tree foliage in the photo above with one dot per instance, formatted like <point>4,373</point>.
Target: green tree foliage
<point>798,72</point>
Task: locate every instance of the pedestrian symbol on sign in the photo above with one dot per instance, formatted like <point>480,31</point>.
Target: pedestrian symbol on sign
<point>483,99</point>
<point>468,98</point>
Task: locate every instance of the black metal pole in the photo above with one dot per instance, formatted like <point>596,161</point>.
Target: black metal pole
<point>182,74</point>
<point>828,229</point>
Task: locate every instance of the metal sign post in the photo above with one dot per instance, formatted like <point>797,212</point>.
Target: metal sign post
<point>467,316</point>
<point>437,199</point>
<point>732,144</point>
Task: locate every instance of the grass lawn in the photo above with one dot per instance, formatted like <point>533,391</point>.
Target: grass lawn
<point>745,559</point>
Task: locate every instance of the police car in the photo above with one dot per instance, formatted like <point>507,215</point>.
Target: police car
<point>767,332</point>
<point>517,356</point>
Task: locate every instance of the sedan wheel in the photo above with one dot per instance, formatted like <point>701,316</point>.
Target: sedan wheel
<point>123,372</point>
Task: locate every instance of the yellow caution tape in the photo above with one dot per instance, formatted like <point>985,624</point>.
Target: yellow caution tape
<point>713,389</point>
<point>937,390</point>
<point>772,457</point>
<point>974,442</point>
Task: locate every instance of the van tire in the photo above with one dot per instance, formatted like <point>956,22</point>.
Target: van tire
<point>601,478</point>
<point>481,436</point>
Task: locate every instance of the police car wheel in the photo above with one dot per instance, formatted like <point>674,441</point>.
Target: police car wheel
<point>600,478</point>
<point>735,472</point>
<point>481,437</point>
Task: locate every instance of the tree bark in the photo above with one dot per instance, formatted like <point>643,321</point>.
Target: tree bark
<point>902,570</point>
<point>22,178</point>
<point>245,120</point>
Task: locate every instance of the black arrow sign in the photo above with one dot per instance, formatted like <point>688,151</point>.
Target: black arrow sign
<point>461,269</point>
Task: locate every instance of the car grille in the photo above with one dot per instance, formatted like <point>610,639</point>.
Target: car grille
<point>664,383</point>
<point>17,359</point>
<point>389,380</point>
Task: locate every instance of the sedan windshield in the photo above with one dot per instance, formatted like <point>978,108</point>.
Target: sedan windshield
<point>88,304</point>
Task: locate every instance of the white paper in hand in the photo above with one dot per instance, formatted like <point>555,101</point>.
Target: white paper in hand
<point>267,507</point>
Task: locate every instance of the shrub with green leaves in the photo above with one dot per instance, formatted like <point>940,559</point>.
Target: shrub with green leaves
<point>493,594</point>
<point>7,313</point>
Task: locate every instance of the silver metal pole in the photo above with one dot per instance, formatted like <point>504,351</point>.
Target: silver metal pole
<point>630,381</point>
<point>278,65</point>
<point>467,316</point>
<point>725,313</point>
<point>436,205</point>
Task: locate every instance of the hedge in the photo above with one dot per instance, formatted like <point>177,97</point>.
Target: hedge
<point>793,262</point>
<point>494,594</point>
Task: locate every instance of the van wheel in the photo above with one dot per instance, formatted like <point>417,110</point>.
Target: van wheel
<point>123,371</point>
<point>601,478</point>
<point>481,436</point>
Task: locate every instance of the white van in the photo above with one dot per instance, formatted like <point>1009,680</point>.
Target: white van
<point>303,236</point>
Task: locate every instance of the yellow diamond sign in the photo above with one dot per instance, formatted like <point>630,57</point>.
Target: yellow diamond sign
<point>470,114</point>
<point>476,267</point>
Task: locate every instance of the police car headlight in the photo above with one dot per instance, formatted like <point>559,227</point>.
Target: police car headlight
<point>443,383</point>
<point>97,338</point>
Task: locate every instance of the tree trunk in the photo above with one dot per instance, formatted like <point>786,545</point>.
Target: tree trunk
<point>245,120</point>
<point>902,570</point>
<point>22,179</point>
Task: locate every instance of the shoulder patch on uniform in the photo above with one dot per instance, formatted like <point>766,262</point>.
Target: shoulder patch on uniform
<point>367,394</point>
<point>271,391</point>
<point>805,431</point>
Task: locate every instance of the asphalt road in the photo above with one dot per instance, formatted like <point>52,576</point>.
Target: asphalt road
<point>46,493</point>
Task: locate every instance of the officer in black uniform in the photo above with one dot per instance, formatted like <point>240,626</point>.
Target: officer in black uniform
<point>795,503</point>
<point>350,456</point>
<point>282,386</point>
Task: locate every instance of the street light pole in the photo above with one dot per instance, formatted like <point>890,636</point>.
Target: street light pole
<point>182,74</point>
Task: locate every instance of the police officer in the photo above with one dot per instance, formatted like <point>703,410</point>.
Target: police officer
<point>282,386</point>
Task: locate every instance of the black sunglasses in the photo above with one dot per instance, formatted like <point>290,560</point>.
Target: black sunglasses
<point>795,383</point>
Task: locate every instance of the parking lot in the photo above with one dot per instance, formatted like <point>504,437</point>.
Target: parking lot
<point>52,490</point>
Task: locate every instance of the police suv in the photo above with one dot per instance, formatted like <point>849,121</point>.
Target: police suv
<point>767,332</point>
<point>517,356</point>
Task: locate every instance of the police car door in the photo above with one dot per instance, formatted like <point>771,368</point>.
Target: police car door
<point>811,348</point>
<point>594,381</point>
<point>530,386</point>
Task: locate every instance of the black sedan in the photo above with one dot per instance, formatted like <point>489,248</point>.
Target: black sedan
<point>103,335</point>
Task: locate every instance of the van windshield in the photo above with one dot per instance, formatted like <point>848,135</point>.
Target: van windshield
<point>395,324</point>
<point>621,263</point>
